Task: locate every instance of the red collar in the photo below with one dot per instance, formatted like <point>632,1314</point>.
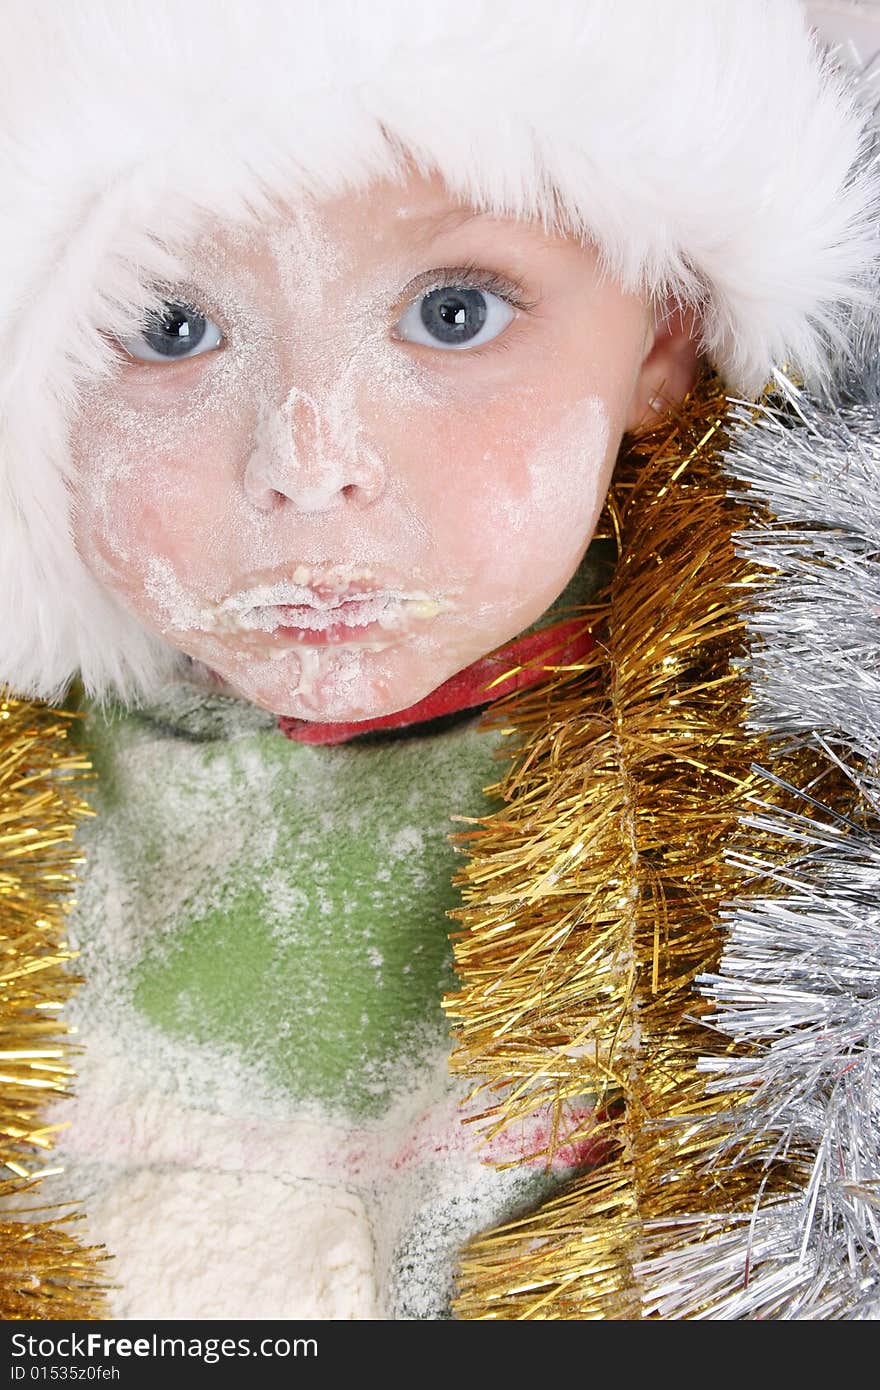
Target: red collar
<point>516,666</point>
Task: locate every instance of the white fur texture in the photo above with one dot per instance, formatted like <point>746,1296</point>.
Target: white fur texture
<point>703,144</point>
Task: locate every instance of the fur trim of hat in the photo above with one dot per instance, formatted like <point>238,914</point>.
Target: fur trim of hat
<point>705,147</point>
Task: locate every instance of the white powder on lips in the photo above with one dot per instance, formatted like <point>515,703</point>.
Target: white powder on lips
<point>296,605</point>
<point>388,611</point>
<point>300,588</point>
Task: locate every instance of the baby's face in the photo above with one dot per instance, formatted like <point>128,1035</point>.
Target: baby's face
<point>364,447</point>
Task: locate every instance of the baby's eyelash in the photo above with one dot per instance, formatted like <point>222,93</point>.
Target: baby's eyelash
<point>500,344</point>
<point>475,276</point>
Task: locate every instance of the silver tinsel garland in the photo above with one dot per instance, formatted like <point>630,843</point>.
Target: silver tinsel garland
<point>798,987</point>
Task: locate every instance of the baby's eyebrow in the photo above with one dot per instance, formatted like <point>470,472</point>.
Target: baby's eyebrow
<point>433,224</point>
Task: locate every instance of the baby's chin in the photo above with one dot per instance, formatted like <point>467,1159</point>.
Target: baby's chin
<point>335,684</point>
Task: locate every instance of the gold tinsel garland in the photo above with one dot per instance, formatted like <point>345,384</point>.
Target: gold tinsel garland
<point>45,1270</point>
<point>591,899</point>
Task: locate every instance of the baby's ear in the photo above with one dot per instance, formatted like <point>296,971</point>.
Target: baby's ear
<point>669,367</point>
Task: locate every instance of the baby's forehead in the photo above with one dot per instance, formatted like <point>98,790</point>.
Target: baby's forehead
<point>351,226</point>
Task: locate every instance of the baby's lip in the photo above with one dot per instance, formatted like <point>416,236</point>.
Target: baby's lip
<point>294,596</point>
<point>379,611</point>
<point>321,589</point>
<point>314,600</point>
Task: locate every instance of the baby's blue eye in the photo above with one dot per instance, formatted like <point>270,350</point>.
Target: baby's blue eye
<point>455,316</point>
<point>175,331</point>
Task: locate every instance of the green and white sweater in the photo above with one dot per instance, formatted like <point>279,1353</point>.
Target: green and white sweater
<point>264,1123</point>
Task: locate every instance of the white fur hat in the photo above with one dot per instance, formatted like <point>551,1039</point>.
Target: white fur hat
<point>704,145</point>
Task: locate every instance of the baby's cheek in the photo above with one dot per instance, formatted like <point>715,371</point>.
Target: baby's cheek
<point>568,475</point>
<point>145,514</point>
<point>533,505</point>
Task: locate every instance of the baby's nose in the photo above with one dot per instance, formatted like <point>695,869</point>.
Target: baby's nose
<point>292,457</point>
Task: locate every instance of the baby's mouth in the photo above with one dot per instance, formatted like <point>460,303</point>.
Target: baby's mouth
<point>354,621</point>
<point>324,612</point>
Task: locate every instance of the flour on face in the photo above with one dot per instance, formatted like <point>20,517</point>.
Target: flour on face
<point>312,440</point>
